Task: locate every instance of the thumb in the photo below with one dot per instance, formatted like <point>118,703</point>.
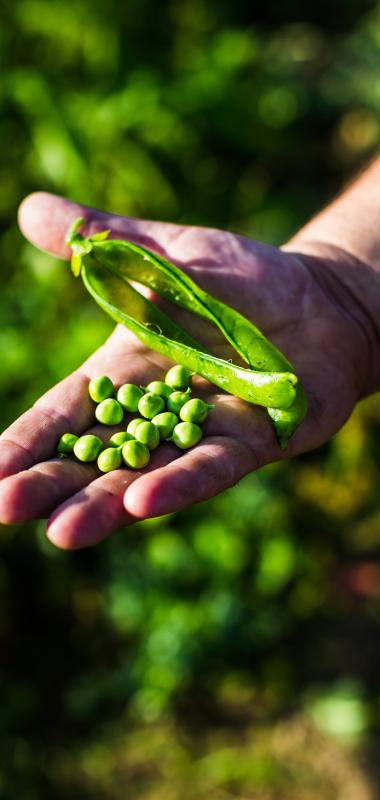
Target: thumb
<point>45,218</point>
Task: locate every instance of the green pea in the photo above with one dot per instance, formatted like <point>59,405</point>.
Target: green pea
<point>195,410</point>
<point>66,444</point>
<point>179,377</point>
<point>135,454</point>
<point>165,423</point>
<point>176,401</point>
<point>100,388</point>
<point>150,405</point>
<point>160,388</point>
<point>110,459</point>
<point>186,435</point>
<point>148,434</point>
<point>133,424</point>
<point>129,395</point>
<point>109,412</point>
<point>120,438</point>
<point>88,447</point>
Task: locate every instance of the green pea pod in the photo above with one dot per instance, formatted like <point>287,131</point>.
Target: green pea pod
<point>107,266</point>
<point>135,262</point>
<point>124,304</point>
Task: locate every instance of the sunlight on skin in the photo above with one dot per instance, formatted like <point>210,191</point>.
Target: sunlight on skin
<point>275,289</point>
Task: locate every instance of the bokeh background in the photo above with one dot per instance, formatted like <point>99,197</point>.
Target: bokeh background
<point>231,650</point>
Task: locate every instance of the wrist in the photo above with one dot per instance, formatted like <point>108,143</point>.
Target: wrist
<point>354,287</point>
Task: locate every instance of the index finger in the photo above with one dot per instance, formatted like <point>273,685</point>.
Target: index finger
<point>45,219</point>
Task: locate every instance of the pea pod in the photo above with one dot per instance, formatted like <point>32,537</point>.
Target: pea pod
<point>106,267</point>
<point>119,300</point>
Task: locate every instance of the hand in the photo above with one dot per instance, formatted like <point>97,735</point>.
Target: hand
<point>275,289</point>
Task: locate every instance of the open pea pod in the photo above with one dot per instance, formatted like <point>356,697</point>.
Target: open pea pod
<point>107,266</point>
<point>157,331</point>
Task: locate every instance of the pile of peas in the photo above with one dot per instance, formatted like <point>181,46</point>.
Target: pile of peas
<point>167,413</point>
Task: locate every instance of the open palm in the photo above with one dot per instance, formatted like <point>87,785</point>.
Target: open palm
<point>277,290</point>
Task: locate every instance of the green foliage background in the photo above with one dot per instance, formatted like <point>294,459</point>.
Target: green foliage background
<point>231,650</point>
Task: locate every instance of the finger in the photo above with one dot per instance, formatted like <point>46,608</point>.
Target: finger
<point>67,408</point>
<point>215,464</point>
<point>92,513</point>
<point>45,218</point>
<point>34,436</point>
<point>98,510</point>
<point>35,492</point>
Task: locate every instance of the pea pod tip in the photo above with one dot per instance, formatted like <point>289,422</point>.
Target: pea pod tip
<point>72,234</point>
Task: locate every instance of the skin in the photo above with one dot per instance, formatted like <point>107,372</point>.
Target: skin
<point>315,299</point>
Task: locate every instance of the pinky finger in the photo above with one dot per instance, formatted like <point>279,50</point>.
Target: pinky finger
<point>214,465</point>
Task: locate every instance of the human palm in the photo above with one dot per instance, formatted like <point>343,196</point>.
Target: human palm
<point>277,290</point>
